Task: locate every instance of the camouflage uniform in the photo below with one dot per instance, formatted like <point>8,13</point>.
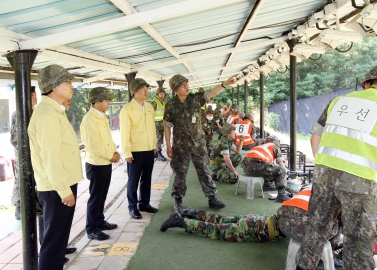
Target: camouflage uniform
<point>218,118</point>
<point>16,197</point>
<point>217,163</point>
<point>335,191</point>
<point>188,142</point>
<point>269,171</point>
<point>249,228</point>
<point>208,127</point>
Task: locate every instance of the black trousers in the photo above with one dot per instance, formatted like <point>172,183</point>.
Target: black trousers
<point>100,178</point>
<point>57,219</point>
<point>140,170</point>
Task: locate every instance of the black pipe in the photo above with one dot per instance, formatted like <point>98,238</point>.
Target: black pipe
<point>245,88</point>
<point>232,95</point>
<point>22,61</point>
<point>261,104</point>
<point>130,77</point>
<point>238,95</point>
<point>293,110</point>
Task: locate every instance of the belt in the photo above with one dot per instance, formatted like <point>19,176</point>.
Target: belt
<point>271,230</point>
<point>215,162</point>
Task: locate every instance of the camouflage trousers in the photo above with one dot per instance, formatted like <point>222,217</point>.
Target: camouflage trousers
<point>182,155</point>
<point>223,173</point>
<point>269,171</point>
<point>160,134</point>
<point>293,221</point>
<point>250,228</point>
<point>16,197</point>
<point>208,140</point>
<point>334,191</point>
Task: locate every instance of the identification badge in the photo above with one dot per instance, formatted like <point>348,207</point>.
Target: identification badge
<point>193,120</point>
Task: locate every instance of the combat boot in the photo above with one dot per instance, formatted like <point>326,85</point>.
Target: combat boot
<point>214,177</point>
<point>268,187</point>
<point>178,205</point>
<point>189,213</point>
<point>174,221</point>
<point>160,157</point>
<point>282,197</point>
<point>213,202</point>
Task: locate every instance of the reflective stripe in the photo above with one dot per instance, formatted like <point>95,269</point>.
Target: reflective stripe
<point>364,137</point>
<point>300,200</point>
<point>302,197</point>
<point>263,152</point>
<point>359,160</point>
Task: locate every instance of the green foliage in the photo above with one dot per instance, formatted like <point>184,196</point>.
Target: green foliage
<point>272,120</point>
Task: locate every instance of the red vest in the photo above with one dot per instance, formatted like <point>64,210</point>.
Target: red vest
<point>301,199</point>
<point>248,140</point>
<point>263,152</point>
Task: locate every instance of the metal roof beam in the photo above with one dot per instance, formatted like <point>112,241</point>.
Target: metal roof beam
<point>119,24</point>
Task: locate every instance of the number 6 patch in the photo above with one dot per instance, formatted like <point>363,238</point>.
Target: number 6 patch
<point>242,129</point>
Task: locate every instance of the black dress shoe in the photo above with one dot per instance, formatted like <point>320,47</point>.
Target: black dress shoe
<point>135,214</point>
<point>99,235</point>
<point>108,226</point>
<point>148,208</point>
<point>66,260</point>
<point>70,250</point>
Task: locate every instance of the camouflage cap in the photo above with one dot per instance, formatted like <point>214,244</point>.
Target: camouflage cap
<point>273,139</point>
<point>371,75</point>
<point>136,84</point>
<point>234,106</point>
<point>242,114</point>
<point>52,76</point>
<point>236,110</point>
<point>160,90</point>
<point>99,94</point>
<point>209,111</point>
<point>249,116</point>
<point>176,81</point>
<point>227,128</point>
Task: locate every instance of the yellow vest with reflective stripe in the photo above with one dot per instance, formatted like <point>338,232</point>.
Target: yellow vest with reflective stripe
<point>159,112</point>
<point>347,149</point>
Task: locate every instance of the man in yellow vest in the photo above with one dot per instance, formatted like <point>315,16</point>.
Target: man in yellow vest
<point>159,108</point>
<point>259,161</point>
<point>344,141</point>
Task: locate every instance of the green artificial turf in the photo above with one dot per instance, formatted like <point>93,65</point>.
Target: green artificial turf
<point>176,249</point>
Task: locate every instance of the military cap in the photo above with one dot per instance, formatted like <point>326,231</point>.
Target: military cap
<point>219,106</point>
<point>160,90</point>
<point>201,89</point>
<point>99,94</point>
<point>227,128</point>
<point>273,139</point>
<point>209,111</point>
<point>234,106</point>
<point>136,84</point>
<point>52,76</point>
<point>176,81</point>
<point>237,110</point>
<point>371,75</point>
<point>249,116</point>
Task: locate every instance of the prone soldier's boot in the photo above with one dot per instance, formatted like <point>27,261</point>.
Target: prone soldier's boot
<point>282,196</point>
<point>178,205</point>
<point>160,156</point>
<point>174,221</point>
<point>189,213</point>
<point>213,202</point>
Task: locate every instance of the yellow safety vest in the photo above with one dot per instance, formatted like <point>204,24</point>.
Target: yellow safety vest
<point>349,139</point>
<point>159,112</point>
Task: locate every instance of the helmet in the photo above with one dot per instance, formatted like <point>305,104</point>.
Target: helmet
<point>371,75</point>
<point>227,128</point>
<point>209,111</point>
<point>136,84</point>
<point>234,106</point>
<point>52,76</point>
<point>176,81</point>
<point>273,139</point>
<point>160,90</point>
<point>99,94</point>
<point>242,114</point>
<point>237,110</point>
<point>249,116</point>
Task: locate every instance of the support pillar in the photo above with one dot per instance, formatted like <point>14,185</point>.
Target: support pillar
<point>21,62</point>
<point>245,88</point>
<point>160,83</point>
<point>293,110</point>
<point>261,104</point>
<point>130,77</point>
<point>232,95</point>
<point>238,95</point>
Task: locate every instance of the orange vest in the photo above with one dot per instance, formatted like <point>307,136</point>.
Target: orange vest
<point>232,119</point>
<point>263,152</point>
<point>301,199</point>
<point>248,140</point>
<point>225,110</point>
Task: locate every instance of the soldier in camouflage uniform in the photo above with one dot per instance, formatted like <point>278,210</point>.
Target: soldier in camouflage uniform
<point>218,117</point>
<point>159,106</point>
<point>259,162</point>
<point>182,112</point>
<point>344,179</point>
<point>16,197</point>
<point>222,162</point>
<point>208,126</point>
<point>231,111</point>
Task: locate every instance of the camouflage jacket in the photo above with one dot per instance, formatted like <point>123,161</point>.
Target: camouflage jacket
<point>208,126</point>
<point>222,147</point>
<point>185,118</point>
<point>13,131</point>
<point>217,115</point>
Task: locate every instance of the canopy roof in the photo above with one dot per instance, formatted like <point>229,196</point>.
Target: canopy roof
<point>205,40</point>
